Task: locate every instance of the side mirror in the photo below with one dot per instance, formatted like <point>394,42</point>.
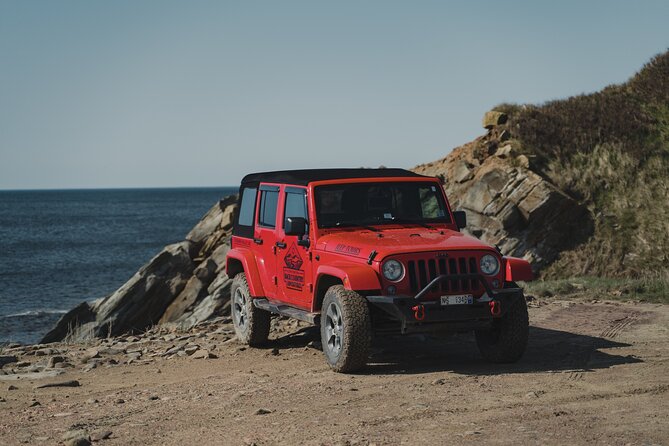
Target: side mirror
<point>460,219</point>
<point>296,226</point>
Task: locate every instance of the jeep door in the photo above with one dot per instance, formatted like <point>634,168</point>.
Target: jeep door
<point>265,237</point>
<point>293,260</point>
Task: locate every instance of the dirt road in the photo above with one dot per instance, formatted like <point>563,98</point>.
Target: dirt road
<point>594,373</point>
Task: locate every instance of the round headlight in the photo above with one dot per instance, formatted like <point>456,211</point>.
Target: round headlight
<point>393,270</point>
<point>489,265</point>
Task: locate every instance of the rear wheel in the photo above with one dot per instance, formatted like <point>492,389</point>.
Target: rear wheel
<point>346,329</point>
<point>251,323</point>
<point>506,340</point>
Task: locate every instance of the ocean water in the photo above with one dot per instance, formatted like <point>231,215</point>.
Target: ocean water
<point>59,248</point>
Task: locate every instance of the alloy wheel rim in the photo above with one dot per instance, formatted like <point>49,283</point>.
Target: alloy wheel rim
<point>334,329</point>
<point>239,309</point>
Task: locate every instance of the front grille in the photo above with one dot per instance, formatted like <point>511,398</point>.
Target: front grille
<point>422,271</point>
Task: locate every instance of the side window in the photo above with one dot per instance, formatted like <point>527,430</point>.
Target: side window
<point>296,206</point>
<point>248,206</point>
<point>268,202</point>
<point>246,214</point>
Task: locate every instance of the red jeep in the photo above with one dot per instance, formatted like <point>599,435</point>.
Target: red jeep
<point>365,252</point>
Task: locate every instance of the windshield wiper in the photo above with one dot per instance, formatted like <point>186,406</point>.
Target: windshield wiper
<point>346,224</point>
<point>413,222</point>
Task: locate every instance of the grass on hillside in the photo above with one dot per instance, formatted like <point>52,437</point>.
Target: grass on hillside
<point>610,151</point>
<point>648,289</point>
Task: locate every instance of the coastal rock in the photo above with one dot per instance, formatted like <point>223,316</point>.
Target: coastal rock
<point>184,284</point>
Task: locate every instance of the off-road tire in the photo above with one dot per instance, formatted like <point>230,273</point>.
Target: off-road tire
<point>355,329</point>
<point>254,327</point>
<point>506,340</point>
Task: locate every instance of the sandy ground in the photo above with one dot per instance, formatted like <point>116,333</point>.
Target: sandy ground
<point>594,373</point>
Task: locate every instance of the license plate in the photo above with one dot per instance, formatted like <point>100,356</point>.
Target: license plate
<point>458,299</point>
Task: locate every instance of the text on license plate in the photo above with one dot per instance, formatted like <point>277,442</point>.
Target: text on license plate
<point>458,299</point>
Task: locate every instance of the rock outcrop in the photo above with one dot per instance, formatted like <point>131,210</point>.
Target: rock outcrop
<point>507,203</point>
<point>183,285</point>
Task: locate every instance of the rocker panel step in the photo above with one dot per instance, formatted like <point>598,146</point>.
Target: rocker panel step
<point>286,310</point>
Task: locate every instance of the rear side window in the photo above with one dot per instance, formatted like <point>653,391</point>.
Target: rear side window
<point>268,203</point>
<point>247,209</point>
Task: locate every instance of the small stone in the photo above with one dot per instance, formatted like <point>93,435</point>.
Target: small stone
<point>101,435</point>
<point>504,151</point>
<point>203,354</point>
<point>54,360</point>
<point>171,351</point>
<point>92,401</point>
<point>523,161</point>
<point>2,400</point>
<point>532,395</point>
<point>7,359</point>
<point>71,383</point>
<point>35,404</point>
<point>439,382</point>
<point>90,354</point>
<point>119,401</point>
<point>77,437</point>
<point>275,352</point>
<point>263,412</point>
<point>12,387</point>
<point>191,349</point>
<point>133,356</point>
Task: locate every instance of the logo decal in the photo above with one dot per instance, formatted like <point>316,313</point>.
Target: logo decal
<point>293,259</point>
<point>347,249</point>
<point>293,276</point>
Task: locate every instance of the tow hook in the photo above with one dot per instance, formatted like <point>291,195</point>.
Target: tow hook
<point>495,308</point>
<point>418,312</point>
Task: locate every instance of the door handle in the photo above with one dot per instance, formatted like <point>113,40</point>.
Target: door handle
<point>257,241</point>
<point>280,245</point>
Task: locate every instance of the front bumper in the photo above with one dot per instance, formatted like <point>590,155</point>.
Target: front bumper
<point>417,315</point>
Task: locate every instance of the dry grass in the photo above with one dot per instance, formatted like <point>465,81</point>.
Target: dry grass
<point>653,288</point>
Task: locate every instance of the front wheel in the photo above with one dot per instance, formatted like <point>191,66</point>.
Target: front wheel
<point>251,323</point>
<point>506,340</point>
<point>346,329</point>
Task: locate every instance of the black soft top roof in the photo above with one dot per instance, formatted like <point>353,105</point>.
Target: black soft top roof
<point>306,176</point>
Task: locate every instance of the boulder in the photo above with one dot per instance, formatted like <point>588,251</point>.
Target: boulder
<point>494,118</point>
<point>214,304</point>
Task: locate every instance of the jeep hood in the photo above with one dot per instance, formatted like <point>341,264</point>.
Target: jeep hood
<point>360,243</point>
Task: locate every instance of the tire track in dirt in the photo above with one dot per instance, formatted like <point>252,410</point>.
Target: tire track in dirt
<point>619,326</point>
<point>582,354</point>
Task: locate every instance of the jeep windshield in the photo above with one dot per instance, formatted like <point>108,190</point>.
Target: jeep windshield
<point>382,203</point>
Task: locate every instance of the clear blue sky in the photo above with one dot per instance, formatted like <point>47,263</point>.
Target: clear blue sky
<point>198,93</point>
